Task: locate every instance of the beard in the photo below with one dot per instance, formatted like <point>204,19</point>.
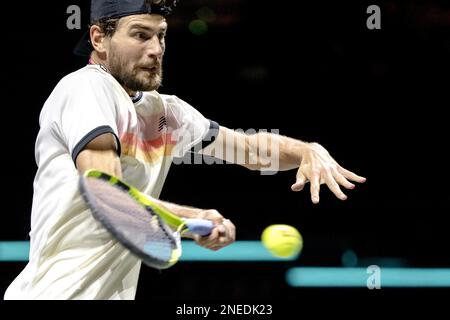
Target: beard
<point>137,78</point>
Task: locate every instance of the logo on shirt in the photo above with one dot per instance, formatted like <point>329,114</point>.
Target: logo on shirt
<point>162,123</point>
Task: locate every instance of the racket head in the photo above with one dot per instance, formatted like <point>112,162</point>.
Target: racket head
<point>132,223</point>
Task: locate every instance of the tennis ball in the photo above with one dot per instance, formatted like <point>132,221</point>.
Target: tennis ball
<point>282,240</point>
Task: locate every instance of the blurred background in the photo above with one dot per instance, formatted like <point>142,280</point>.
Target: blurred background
<point>375,99</point>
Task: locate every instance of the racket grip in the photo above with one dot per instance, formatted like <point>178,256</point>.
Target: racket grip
<point>201,227</point>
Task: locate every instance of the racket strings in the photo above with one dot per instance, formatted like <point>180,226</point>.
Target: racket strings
<point>138,226</point>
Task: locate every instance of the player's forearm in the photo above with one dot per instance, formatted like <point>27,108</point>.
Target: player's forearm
<point>259,151</point>
<point>182,212</point>
<point>179,210</point>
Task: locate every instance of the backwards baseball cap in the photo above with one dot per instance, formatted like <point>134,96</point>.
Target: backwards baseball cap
<point>109,9</point>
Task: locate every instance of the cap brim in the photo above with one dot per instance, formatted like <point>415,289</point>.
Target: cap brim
<point>83,47</point>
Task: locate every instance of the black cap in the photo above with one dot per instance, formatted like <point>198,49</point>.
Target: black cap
<point>106,9</point>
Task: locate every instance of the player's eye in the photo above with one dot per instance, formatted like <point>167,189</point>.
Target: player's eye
<point>141,36</point>
<point>161,36</point>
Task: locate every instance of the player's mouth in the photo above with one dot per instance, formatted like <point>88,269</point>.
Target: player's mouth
<point>151,69</point>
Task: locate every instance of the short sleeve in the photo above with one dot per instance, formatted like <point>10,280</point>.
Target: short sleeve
<point>190,130</point>
<point>84,108</point>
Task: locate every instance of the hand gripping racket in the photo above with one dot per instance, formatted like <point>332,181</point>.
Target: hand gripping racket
<point>137,222</point>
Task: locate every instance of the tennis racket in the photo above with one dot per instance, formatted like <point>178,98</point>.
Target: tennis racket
<point>137,222</point>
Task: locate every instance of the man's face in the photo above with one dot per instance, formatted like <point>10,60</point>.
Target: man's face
<point>136,50</point>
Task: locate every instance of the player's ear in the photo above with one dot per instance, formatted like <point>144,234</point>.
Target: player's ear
<point>97,39</point>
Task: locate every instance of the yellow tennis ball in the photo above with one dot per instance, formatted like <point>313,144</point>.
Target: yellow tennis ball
<point>282,240</point>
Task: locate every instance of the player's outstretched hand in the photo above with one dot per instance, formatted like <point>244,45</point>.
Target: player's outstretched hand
<point>318,167</point>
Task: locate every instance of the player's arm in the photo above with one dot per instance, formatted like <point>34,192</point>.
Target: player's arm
<point>221,236</point>
<point>268,151</point>
<point>101,154</point>
<point>256,151</point>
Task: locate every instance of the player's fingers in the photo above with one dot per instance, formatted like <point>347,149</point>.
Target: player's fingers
<point>342,180</point>
<point>223,233</point>
<point>300,182</point>
<point>225,238</point>
<point>221,242</point>
<point>230,231</point>
<point>226,232</point>
<point>221,229</point>
<point>315,188</point>
<point>334,187</point>
<point>209,240</point>
<point>350,175</point>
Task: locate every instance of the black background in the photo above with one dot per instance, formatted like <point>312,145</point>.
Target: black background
<point>375,99</point>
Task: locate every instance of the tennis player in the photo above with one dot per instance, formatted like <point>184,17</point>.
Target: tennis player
<point>109,116</point>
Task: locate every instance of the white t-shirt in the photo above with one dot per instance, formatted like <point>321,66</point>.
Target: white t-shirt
<point>71,255</point>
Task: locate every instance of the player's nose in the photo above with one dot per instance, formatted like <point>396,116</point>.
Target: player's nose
<point>155,48</point>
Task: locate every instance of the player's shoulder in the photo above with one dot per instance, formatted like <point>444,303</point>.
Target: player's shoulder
<point>86,75</point>
<point>151,102</point>
<point>80,83</point>
<point>154,97</point>
<point>171,100</point>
